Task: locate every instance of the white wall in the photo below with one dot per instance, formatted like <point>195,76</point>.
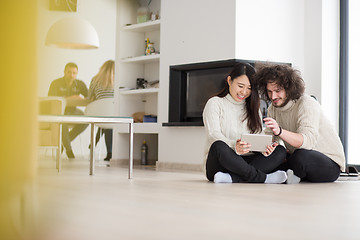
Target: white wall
<point>312,41</point>
<point>270,31</point>
<point>330,43</point>
<point>51,61</point>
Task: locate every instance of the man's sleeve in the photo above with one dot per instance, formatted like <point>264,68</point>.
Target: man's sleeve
<point>52,90</point>
<point>83,89</point>
<point>309,123</point>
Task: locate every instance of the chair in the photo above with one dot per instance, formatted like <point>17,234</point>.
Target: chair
<point>49,133</point>
<point>101,107</point>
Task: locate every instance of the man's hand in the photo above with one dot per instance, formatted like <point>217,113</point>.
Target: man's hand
<point>273,125</point>
<point>294,139</point>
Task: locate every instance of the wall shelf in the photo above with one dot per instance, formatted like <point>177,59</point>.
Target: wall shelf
<point>143,27</point>
<point>142,59</point>
<point>139,91</point>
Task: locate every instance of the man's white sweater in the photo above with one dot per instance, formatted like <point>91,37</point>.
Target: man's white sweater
<point>305,116</point>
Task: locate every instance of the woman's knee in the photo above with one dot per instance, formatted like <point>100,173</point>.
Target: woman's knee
<point>217,145</point>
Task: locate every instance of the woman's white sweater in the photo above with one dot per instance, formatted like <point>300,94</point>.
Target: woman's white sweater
<point>305,116</point>
<point>224,120</point>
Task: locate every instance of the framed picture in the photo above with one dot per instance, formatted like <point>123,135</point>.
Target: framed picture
<point>63,5</point>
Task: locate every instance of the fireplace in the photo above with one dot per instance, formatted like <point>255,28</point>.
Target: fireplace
<point>191,85</point>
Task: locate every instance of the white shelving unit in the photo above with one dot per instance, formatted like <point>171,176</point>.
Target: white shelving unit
<point>135,64</point>
<point>131,64</point>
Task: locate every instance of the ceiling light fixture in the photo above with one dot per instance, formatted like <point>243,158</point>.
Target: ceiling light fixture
<point>72,33</point>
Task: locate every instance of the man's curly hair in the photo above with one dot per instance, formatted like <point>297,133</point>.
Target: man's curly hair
<point>283,75</point>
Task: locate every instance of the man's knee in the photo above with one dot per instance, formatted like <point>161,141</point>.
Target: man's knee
<point>298,155</point>
<point>281,151</point>
<point>298,161</point>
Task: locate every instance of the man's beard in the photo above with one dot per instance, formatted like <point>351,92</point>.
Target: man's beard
<point>283,104</point>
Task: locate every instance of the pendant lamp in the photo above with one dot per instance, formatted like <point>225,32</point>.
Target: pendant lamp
<point>72,33</point>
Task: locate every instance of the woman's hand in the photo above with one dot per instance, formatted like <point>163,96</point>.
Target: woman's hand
<point>273,125</point>
<point>242,147</point>
<point>270,149</point>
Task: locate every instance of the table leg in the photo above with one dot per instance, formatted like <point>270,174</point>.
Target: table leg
<point>131,141</point>
<point>92,153</point>
<point>58,151</point>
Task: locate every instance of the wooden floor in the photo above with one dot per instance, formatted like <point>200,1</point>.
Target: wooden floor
<point>184,205</point>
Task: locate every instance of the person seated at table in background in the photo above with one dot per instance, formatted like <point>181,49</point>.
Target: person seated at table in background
<point>102,86</point>
<point>72,89</point>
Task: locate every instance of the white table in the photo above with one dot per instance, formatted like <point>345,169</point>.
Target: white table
<point>92,120</point>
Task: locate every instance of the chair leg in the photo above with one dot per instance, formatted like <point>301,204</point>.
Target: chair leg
<point>53,150</point>
<point>100,147</point>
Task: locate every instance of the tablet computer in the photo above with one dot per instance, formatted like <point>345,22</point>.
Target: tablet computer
<point>258,142</point>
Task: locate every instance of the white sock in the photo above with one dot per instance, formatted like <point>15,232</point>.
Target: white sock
<point>276,177</point>
<point>221,177</point>
<point>291,177</point>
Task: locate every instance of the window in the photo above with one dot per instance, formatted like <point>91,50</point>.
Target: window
<point>353,83</point>
<point>350,78</point>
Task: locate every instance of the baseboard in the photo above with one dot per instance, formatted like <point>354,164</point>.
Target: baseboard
<point>125,162</point>
<point>178,166</point>
<point>159,165</point>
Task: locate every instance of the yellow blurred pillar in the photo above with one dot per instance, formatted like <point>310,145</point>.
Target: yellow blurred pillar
<point>18,123</point>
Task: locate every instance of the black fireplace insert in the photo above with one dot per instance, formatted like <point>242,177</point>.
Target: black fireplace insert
<point>191,85</point>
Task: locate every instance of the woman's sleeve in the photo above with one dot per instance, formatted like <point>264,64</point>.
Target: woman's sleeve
<point>212,117</point>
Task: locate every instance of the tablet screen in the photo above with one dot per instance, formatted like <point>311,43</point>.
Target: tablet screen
<point>258,142</point>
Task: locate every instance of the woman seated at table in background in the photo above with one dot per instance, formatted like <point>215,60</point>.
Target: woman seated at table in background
<point>102,86</point>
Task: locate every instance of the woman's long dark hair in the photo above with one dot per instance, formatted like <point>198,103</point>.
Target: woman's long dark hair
<point>252,102</point>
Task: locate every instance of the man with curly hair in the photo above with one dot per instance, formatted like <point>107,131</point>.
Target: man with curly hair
<point>315,152</point>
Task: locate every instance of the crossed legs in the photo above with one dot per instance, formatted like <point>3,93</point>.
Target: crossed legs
<point>313,166</point>
<point>253,168</point>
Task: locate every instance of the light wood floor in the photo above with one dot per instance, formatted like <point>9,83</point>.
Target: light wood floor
<point>184,205</point>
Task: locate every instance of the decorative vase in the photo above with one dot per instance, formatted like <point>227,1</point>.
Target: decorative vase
<point>142,14</point>
<point>149,49</point>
